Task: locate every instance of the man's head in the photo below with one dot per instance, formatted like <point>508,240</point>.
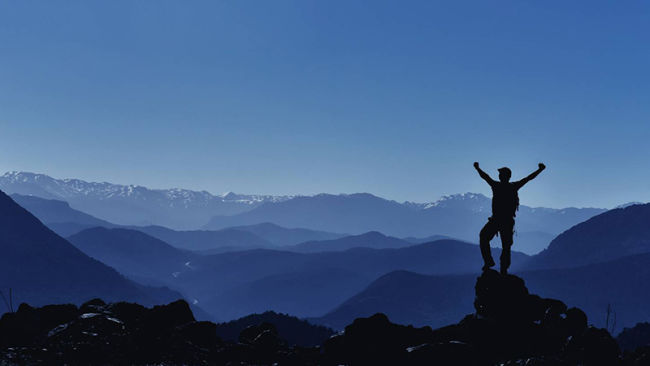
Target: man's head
<point>505,174</point>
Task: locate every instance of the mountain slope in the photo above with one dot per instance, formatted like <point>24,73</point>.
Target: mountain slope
<point>371,239</point>
<point>41,267</point>
<point>133,253</point>
<point>613,234</point>
<point>58,215</point>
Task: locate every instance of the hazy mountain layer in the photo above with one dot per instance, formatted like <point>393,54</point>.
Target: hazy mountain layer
<point>233,284</point>
<point>459,216</point>
<point>281,236</point>
<point>41,267</point>
<point>373,239</point>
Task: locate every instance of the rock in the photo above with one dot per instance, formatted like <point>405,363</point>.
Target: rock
<point>29,325</point>
<point>92,306</point>
<point>576,321</point>
<point>267,340</point>
<point>375,340</point>
<point>250,333</point>
<point>632,338</point>
<point>444,353</point>
<point>639,357</point>
<point>594,347</point>
<point>170,315</point>
<point>202,334</point>
<point>128,312</point>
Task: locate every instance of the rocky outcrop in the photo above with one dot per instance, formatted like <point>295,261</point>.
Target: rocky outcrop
<point>635,342</point>
<point>635,337</point>
<point>510,327</point>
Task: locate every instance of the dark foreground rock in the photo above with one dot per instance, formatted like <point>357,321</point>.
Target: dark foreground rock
<point>635,343</point>
<point>510,327</point>
<point>130,334</point>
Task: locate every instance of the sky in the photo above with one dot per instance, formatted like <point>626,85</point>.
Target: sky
<point>393,98</point>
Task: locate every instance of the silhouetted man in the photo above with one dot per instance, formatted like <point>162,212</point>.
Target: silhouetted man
<point>505,203</point>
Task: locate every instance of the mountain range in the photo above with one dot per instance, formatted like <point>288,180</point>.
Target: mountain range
<point>131,204</point>
<point>459,216</point>
<point>596,263</point>
<point>372,239</point>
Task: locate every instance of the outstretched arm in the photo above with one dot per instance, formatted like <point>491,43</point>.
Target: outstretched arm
<point>531,176</point>
<point>483,174</point>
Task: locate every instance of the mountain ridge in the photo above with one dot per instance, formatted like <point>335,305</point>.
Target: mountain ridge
<point>42,267</point>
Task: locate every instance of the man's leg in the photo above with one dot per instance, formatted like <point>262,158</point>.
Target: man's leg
<point>487,233</point>
<point>506,231</point>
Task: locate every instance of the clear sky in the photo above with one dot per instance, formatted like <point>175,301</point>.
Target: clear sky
<point>395,98</point>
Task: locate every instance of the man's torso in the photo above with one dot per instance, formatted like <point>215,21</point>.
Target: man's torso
<point>505,200</point>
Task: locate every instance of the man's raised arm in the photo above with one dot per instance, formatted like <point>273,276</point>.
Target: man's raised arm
<point>531,176</point>
<point>483,174</point>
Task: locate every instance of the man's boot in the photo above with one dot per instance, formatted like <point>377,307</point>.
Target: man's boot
<point>487,256</point>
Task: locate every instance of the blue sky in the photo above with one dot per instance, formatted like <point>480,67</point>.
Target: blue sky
<point>300,97</point>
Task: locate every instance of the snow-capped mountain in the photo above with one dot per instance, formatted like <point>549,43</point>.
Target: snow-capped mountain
<point>474,202</point>
<point>132,204</point>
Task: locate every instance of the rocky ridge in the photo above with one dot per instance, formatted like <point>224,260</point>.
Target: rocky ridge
<point>510,327</point>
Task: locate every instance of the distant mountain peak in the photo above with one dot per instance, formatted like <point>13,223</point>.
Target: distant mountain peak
<point>478,201</point>
<point>372,234</point>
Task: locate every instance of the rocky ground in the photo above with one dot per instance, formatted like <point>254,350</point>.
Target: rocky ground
<point>510,327</point>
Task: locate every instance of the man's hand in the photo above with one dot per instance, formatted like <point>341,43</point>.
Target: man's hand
<point>541,166</point>
<point>476,164</point>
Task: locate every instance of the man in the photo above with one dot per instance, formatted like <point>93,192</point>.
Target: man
<point>505,203</point>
